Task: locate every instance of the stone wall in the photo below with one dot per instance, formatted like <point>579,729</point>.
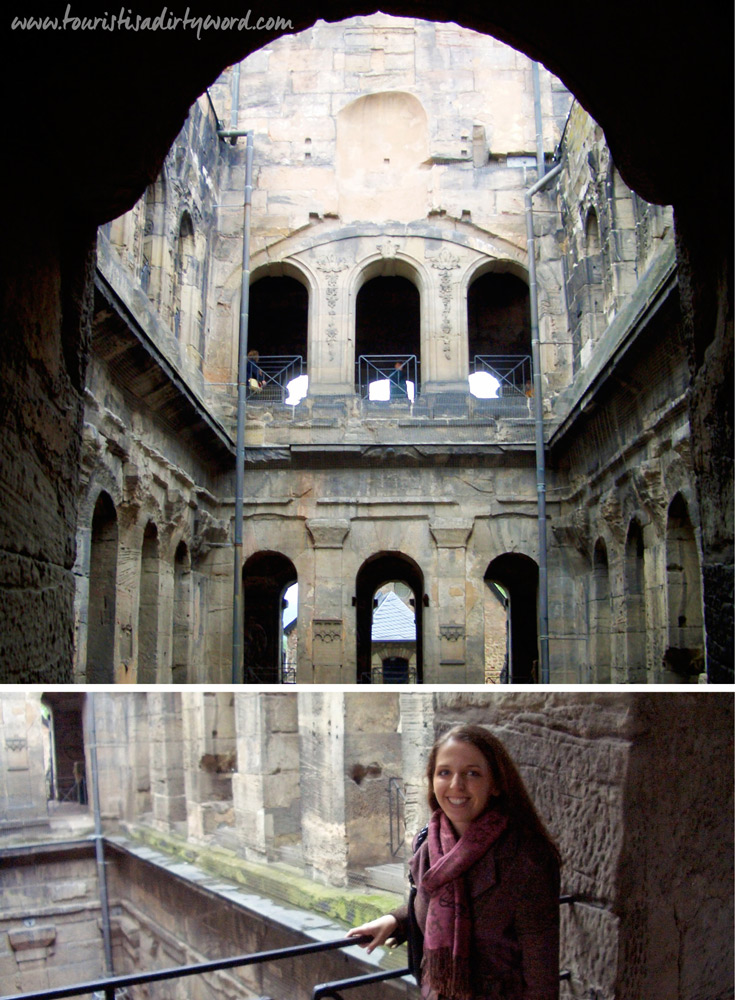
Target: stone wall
<point>49,920</point>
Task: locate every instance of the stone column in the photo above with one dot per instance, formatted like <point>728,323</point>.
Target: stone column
<point>22,760</point>
<point>372,758</point>
<point>324,662</point>
<point>209,760</point>
<point>323,825</point>
<point>451,536</point>
<point>266,788</point>
<point>417,738</point>
<point>167,761</point>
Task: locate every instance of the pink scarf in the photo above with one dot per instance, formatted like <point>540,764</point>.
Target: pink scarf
<point>448,933</point>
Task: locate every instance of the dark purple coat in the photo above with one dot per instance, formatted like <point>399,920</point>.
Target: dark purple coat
<point>514,895</point>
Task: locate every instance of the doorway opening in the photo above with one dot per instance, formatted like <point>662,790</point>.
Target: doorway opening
<point>513,579</point>
<point>389,602</point>
<point>266,578</point>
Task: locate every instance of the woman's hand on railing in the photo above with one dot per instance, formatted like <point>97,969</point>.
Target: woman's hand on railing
<point>379,930</point>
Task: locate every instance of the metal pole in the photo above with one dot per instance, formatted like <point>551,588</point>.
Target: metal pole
<point>543,596</point>
<point>540,160</point>
<point>242,364</point>
<point>99,847</point>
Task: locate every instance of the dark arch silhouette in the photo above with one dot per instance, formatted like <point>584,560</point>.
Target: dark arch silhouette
<point>381,568</point>
<point>279,316</point>
<point>498,314</point>
<point>388,317</point>
<point>518,575</point>
<point>265,578</point>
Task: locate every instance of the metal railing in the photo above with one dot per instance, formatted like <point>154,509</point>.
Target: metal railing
<point>329,991</point>
<point>395,384</point>
<point>512,371</point>
<point>396,817</point>
<point>113,985</point>
<point>277,371</point>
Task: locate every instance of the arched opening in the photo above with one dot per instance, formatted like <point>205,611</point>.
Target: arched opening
<point>266,578</point>
<point>592,319</point>
<point>515,576</point>
<point>102,593</point>
<point>635,606</point>
<point>151,271</point>
<point>600,617</point>
<point>394,583</point>
<point>499,336</point>
<point>148,607</point>
<point>684,656</point>
<point>189,292</point>
<point>393,635</point>
<point>278,330</point>
<point>388,339</point>
<point>64,750</point>
<point>181,626</point>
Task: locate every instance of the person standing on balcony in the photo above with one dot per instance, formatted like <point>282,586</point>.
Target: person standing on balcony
<point>397,379</point>
<point>482,921</point>
<point>254,376</point>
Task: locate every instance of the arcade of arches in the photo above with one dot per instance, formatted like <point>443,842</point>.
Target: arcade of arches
<point>139,345</point>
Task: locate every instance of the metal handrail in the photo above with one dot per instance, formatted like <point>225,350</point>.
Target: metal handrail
<point>277,370</point>
<point>328,991</point>
<point>380,367</point>
<point>109,985</point>
<point>513,371</point>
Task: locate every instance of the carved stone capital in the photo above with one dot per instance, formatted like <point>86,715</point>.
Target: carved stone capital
<point>451,533</point>
<point>326,533</point>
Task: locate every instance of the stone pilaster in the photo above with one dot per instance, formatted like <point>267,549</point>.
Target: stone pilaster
<point>451,536</point>
<point>327,661</point>
<point>266,785</point>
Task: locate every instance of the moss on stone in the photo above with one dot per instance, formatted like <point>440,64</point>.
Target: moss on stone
<point>285,885</point>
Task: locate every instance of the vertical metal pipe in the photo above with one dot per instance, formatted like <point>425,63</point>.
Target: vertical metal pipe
<point>242,364</point>
<point>540,159</point>
<point>99,846</point>
<point>235,98</point>
<point>538,405</point>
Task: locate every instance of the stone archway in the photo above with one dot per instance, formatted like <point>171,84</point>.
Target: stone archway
<point>375,571</point>
<point>266,577</point>
<point>518,576</point>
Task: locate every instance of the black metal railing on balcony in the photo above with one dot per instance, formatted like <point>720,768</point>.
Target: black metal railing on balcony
<point>114,986</point>
<point>387,377</point>
<point>276,377</point>
<point>512,372</point>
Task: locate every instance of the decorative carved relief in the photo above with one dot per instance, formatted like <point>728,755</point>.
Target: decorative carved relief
<point>445,262</point>
<point>389,249</point>
<point>327,630</point>
<point>452,633</point>
<point>332,265</point>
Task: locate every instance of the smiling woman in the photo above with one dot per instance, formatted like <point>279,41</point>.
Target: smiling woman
<point>484,906</point>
